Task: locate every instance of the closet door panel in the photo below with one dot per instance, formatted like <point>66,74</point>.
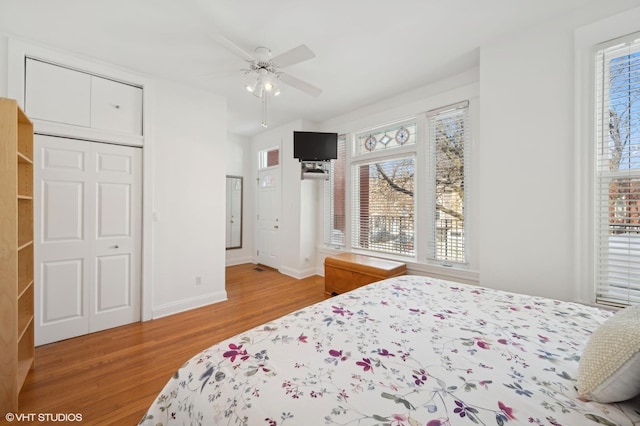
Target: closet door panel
<point>113,286</point>
<point>57,94</point>
<point>61,225</point>
<point>116,107</point>
<point>62,291</point>
<point>117,239</point>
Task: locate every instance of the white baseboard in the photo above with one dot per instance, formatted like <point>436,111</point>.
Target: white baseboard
<point>299,274</point>
<point>239,261</point>
<point>188,304</point>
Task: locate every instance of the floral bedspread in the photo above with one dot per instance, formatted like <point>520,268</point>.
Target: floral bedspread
<point>405,351</point>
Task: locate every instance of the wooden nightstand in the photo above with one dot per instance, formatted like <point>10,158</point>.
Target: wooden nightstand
<point>347,271</point>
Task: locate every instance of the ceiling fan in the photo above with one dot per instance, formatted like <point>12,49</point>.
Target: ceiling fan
<point>268,69</point>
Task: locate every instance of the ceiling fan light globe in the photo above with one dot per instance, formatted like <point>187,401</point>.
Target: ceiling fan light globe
<point>258,91</point>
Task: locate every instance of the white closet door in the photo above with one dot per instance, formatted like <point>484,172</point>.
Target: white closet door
<point>57,94</point>
<point>116,107</point>
<point>62,244</point>
<point>87,225</point>
<point>116,246</point>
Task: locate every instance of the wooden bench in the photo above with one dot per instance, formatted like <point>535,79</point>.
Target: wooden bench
<point>347,271</point>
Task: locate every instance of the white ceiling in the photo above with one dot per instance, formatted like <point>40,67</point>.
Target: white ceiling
<point>366,50</point>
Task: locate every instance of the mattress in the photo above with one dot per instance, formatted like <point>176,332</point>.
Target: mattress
<point>408,350</point>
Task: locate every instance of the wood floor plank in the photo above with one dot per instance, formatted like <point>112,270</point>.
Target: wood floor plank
<point>112,376</point>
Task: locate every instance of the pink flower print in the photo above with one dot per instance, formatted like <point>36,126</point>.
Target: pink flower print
<point>483,344</point>
<point>343,395</point>
<point>338,310</point>
<point>464,410</point>
<point>384,352</point>
<point>419,377</point>
<point>236,351</point>
<point>337,354</point>
<point>508,411</point>
<point>485,383</point>
<point>302,338</point>
<point>398,419</point>
<point>365,364</point>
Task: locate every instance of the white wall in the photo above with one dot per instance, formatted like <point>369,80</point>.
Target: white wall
<point>190,167</point>
<point>310,215</point>
<point>3,66</point>
<point>239,163</point>
<point>526,162</point>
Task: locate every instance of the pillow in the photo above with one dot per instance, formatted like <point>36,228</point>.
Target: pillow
<point>609,369</point>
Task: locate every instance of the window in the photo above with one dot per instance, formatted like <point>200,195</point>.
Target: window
<point>617,182</point>
<point>382,193</point>
<point>383,205</point>
<point>335,199</point>
<point>446,190</point>
<point>406,186</point>
<point>269,158</point>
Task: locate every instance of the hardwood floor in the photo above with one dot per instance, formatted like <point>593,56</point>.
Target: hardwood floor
<point>111,377</point>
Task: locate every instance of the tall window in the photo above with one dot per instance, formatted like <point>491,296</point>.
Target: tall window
<point>448,130</point>
<point>383,189</point>
<point>618,172</point>
<point>335,199</point>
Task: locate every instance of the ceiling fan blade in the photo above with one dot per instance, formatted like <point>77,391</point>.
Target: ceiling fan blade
<point>300,85</point>
<point>232,47</point>
<point>294,56</point>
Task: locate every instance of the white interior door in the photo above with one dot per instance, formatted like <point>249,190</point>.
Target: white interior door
<point>116,248</point>
<point>269,216</point>
<point>88,237</point>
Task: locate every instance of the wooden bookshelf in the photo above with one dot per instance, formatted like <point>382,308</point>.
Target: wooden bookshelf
<point>17,352</point>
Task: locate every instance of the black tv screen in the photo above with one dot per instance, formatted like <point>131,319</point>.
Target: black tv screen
<point>315,146</point>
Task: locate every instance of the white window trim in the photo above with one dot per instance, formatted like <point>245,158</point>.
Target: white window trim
<point>420,263</point>
<point>585,41</point>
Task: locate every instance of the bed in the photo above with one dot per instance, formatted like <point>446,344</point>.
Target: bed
<point>408,350</point>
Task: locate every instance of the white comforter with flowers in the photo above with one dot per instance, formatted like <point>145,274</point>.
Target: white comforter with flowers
<point>405,351</point>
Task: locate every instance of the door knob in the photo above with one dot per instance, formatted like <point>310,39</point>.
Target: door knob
<point>276,226</point>
<point>116,246</point>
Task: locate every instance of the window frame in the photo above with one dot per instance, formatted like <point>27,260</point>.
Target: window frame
<point>356,158</point>
<point>355,217</point>
<point>586,40</point>
<point>423,217</point>
<point>432,250</point>
<point>607,293</point>
<point>328,225</point>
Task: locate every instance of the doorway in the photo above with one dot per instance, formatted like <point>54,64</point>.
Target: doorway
<point>268,208</point>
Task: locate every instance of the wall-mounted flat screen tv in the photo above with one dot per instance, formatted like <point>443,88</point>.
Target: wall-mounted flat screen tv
<point>315,146</point>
